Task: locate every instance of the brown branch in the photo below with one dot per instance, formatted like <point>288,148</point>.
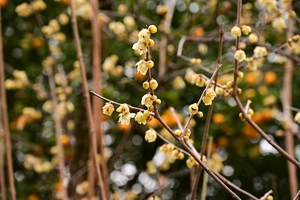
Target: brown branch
<point>2,176</point>
<point>4,118</point>
<point>266,195</point>
<point>286,103</point>
<point>97,60</point>
<point>87,99</point>
<point>263,134</point>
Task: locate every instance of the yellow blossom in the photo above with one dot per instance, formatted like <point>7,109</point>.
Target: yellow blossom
<point>191,162</point>
<point>297,117</point>
<point>240,55</point>
<point>193,109</point>
<point>108,109</point>
<point>142,67</point>
<point>147,100</point>
<point>150,135</point>
<point>236,31</point>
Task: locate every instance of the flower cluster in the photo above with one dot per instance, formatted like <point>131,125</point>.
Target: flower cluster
<point>145,41</point>
<point>25,9</point>
<point>20,81</point>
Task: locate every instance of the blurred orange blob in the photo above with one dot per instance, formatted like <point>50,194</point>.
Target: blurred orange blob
<point>168,118</point>
<point>270,77</point>
<point>124,127</point>
<point>36,42</point>
<point>58,186</point>
<point>218,118</point>
<point>252,77</point>
<point>197,32</point>
<point>223,141</point>
<point>3,3</point>
<point>64,140</point>
<point>32,196</point>
<point>65,2</point>
<point>250,132</point>
<point>21,121</point>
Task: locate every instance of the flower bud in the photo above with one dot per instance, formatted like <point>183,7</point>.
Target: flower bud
<point>246,29</point>
<point>152,29</point>
<point>236,31</point>
<point>146,85</point>
<point>153,84</point>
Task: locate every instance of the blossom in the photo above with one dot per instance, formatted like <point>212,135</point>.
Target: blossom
<point>125,115</point>
<point>240,55</point>
<point>144,35</point>
<point>150,135</point>
<point>140,118</point>
<point>153,84</point>
<point>193,109</point>
<point>108,109</point>
<point>210,94</point>
<point>140,46</point>
<point>246,29</point>
<point>297,117</point>
<point>142,67</point>
<point>191,162</point>
<point>260,51</point>
<point>236,31</point>
<point>147,100</point>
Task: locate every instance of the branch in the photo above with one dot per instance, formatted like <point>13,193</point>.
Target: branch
<point>87,99</point>
<point>4,118</point>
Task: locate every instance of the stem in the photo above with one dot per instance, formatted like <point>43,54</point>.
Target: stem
<point>2,181</point>
<point>4,117</point>
<point>97,60</point>
<point>286,104</point>
<point>58,132</point>
<point>266,195</point>
<point>87,99</point>
<point>263,134</point>
<point>205,176</point>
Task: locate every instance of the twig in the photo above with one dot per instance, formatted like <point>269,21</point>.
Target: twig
<point>209,114</point>
<point>205,176</point>
<point>97,60</point>
<point>235,187</point>
<point>2,176</point>
<point>266,195</point>
<point>87,98</point>
<point>286,103</point>
<point>119,150</point>
<point>4,118</point>
<point>297,195</point>
<point>116,103</point>
<point>263,134</point>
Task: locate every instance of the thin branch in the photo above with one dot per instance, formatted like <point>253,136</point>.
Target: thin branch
<point>87,99</point>
<point>286,103</point>
<point>205,176</point>
<point>263,134</point>
<point>4,118</point>
<point>97,60</point>
<point>266,195</point>
<point>235,187</point>
<point>116,103</point>
<point>2,153</point>
<point>297,195</point>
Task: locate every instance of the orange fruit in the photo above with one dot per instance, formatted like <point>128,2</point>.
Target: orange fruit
<point>64,140</point>
<point>270,77</point>
<point>218,118</point>
<point>3,3</point>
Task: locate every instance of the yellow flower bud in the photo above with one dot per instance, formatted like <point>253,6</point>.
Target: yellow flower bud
<point>177,132</point>
<point>236,31</point>
<point>240,55</point>
<point>253,38</point>
<point>193,109</point>
<point>146,85</point>
<point>153,84</point>
<point>246,29</point>
<point>149,64</point>
<point>152,29</point>
<point>200,114</point>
